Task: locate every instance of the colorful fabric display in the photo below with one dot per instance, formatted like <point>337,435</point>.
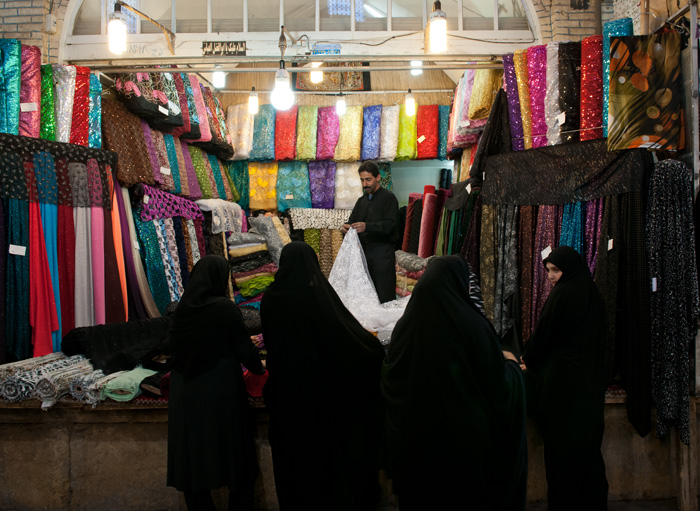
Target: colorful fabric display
<point>241,179</point>
<point>520,63</point>
<point>80,125</point>
<point>95,114</point>
<point>349,146</point>
<point>614,28</point>
<point>225,216</point>
<point>48,112</point>
<point>204,129</point>
<point>348,187</point>
<point>240,127</point>
<point>390,133</point>
<point>487,83</point>
<point>30,93</point>
<point>551,97</point>
<point>307,125</point>
<point>11,85</point>
<point>264,134</point>
<point>444,124</point>
<point>286,134</point>
<point>371,131</point>
<point>64,95</point>
<point>569,90</point>
<point>164,170</point>
<point>195,192</point>
<point>511,86</point>
<point>221,176</point>
<point>426,241</point>
<point>194,132</point>
<point>175,162</point>
<point>385,180</point>
<point>322,183</point>
<point>293,186</point>
<point>263,185</point>
<point>127,386</point>
<point>200,170</point>
<point>592,87</point>
<point>427,118</point>
<point>645,92</point>
<point>537,86</point>
<point>214,184</point>
<point>406,149</point>
<point>184,107</point>
<point>318,218</point>
<point>327,133</point>
<point>466,129</point>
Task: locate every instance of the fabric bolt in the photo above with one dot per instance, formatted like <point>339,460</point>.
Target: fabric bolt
<point>226,216</point>
<point>127,386</point>
<point>443,126</point>
<point>286,134</point>
<point>307,126</point>
<point>135,303</point>
<point>65,249</point>
<point>84,304</point>
<point>325,258</point>
<point>526,251</point>
<point>204,128</point>
<point>318,218</point>
<point>412,198</point>
<point>232,192</point>
<point>385,179</point>
<point>496,138</point>
<point>213,167</point>
<point>537,86</point>
<point>17,331</point>
<point>569,90</point>
<point>347,185</point>
<point>613,28</point>
<point>97,248</point>
<point>157,204</point>
<point>488,257</point>
<point>152,261</point>
<point>281,230</point>
<point>266,226</point>
<point>192,231</point>
<point>551,98</point>
<point>349,145</point>
<point>593,224</point>
<point>80,125</point>
<point>11,85</point>
<point>546,236</point>
<point>263,185</point>
<point>184,106</point>
<point>463,96</point>
<point>264,134</point>
<point>511,86</point>
<point>95,113</point>
<point>506,290</point>
<point>240,126</point>
<point>171,262</point>
<point>406,148</point>
<point>238,170</point>
<point>194,132</point>
<point>194,190</point>
<point>426,242</point>
<point>572,227</point>
<point>48,112</point>
<point>174,163</point>
<point>521,73</point>
<point>390,133</point>
<point>322,183</point>
<point>165,170</point>
<point>64,95</point>
<point>487,83</point>
<point>592,87</point>
<point>328,132</point>
<point>414,238</point>
<point>427,132</point>
<point>152,153</point>
<point>371,132</point>
<point>210,108</point>
<point>182,252</point>
<point>645,92</point>
<point>200,169</point>
<point>30,92</point>
<point>115,243</point>
<point>293,188</point>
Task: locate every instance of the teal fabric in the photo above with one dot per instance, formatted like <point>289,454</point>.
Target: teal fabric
<point>127,386</point>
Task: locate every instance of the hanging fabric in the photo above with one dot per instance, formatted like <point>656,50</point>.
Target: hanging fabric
<point>487,83</point>
<point>551,98</point>
<point>239,174</point>
<point>537,87</point>
<point>10,85</point>
<point>511,87</point>
<point>307,125</point>
<point>293,186</point>
<point>390,133</point>
<point>322,184</point>
<point>444,123</point>
<point>48,112</point>
<point>30,93</point>
<point>371,132</point>
<point>592,87</point>
<point>95,114</point>
<point>195,192</point>
<point>286,134</point>
<point>174,163</point>
<point>613,28</point>
<point>406,149</point>
<point>427,118</point>
<point>349,146</point>
<point>264,134</point>
<point>80,125</point>
<point>572,226</point>
<point>200,170</point>
<point>328,132</point>
<point>520,63</point>
<point>64,95</point>
<point>348,187</point>
<point>204,128</point>
<point>569,90</point>
<point>263,183</point>
<point>184,107</point>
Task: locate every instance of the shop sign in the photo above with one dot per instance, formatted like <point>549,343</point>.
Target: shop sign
<point>223,48</point>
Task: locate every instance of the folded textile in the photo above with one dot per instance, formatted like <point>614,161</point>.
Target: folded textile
<point>319,218</point>
<point>403,280</point>
<point>225,216</point>
<point>256,285</point>
<point>254,383</point>
<point>127,386</point>
<point>265,226</point>
<point>94,391</point>
<point>403,292</point>
<point>265,268</point>
<point>237,252</point>
<point>242,280</point>
<point>240,238</point>
<point>411,262</point>
<point>250,261</point>
<point>251,319</point>
<point>411,274</point>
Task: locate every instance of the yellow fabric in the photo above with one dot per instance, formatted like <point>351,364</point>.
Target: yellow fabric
<point>242,280</point>
<point>403,281</point>
<point>263,185</point>
<point>349,147</point>
<point>520,62</point>
<point>281,231</point>
<point>307,120</point>
<point>406,150</point>
<point>237,252</point>
<point>487,82</point>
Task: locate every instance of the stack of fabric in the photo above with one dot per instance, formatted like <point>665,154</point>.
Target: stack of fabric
<point>409,268</point>
<point>321,229</point>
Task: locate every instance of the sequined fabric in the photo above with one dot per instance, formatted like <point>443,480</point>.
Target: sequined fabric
<point>551,98</point>
<point>152,154</point>
<point>201,172</point>
<point>48,112</point>
<point>385,180</point>
<point>349,146</point>
<point>390,133</point>
<point>427,117</point>
<point>591,236</point>
<point>164,170</point>
<point>307,123</point>
<point>325,259</point>
<point>444,123</point>
<point>618,27</point>
<point>30,93</point>
<point>264,134</point>
<point>239,174</point>
<point>537,84</point>
<point>204,129</point>
<point>184,107</point>
<point>195,192</point>
<point>80,125</point>
<point>231,190</point>
<point>221,176</point>
<point>263,185</point>
<point>406,149</point>
<point>521,73</point>
<point>467,129</point>
<point>64,92</point>
<point>546,235</point>
<point>304,218</point>
<point>592,87</point>
<point>173,162</point>
<point>10,85</point>
<point>507,268</point>
<point>161,205</point>
<point>526,234</point>
<point>286,134</point>
<point>213,166</point>
<point>348,187</point>
<point>572,226</point>
<point>511,86</point>
<point>166,260</point>
<point>210,176</point>
<point>487,82</point>
<point>327,133</point>
<point>293,186</point>
<point>95,113</point>
<point>371,131</point>
<point>312,237</point>
<point>152,261</point>
<point>569,90</point>
<point>191,107</point>
<point>487,257</point>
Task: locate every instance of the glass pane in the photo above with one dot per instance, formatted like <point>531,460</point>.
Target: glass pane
<point>159,10</point>
<point>227,15</point>
<point>331,19</point>
<point>451,8</point>
<point>478,14</point>
<point>88,20</point>
<point>373,15</point>
<point>407,14</point>
<point>511,15</point>
<point>191,16</point>
<point>263,16</point>
<point>299,15</point>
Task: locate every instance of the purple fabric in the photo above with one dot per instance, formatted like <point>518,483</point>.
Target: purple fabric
<point>511,86</point>
<point>192,183</point>
<point>166,205</point>
<point>30,93</point>
<point>152,154</point>
<point>591,236</point>
<point>322,184</point>
<point>546,235</point>
<point>132,281</point>
<point>328,133</point>
<point>537,81</point>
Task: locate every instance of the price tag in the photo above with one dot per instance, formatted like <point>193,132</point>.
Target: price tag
<point>469,188</point>
<point>653,285</point>
<point>18,250</point>
<point>45,405</point>
<point>165,170</point>
<point>546,252</point>
<point>136,245</point>
<point>289,196</point>
<point>561,118</point>
<point>28,107</point>
<point>610,244</point>
<point>420,140</point>
<point>163,110</point>
<point>146,198</point>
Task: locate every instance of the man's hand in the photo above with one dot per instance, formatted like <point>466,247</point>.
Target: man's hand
<point>359,227</point>
<point>345,228</point>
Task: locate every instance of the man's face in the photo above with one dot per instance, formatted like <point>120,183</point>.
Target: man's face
<point>370,184</point>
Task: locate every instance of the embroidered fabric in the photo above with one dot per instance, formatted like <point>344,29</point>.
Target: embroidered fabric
<point>350,279</point>
<point>152,155</point>
<point>286,134</point>
<point>195,192</point>
<point>64,80</point>
<point>263,185</point>
<point>328,132</point>
<point>184,107</point>
<point>293,186</point>
<point>319,218</point>
<point>592,87</point>
<point>521,73</point>
<point>427,132</point>
<point>385,175</point>
<point>510,82</point>
<point>322,183</point>
<point>487,83</point>
<point>221,177</point>
<point>348,187</point>
<point>371,132</point>
<point>173,160</point>
<point>411,262</point>
<point>200,171</point>
<point>349,146</point>
<point>173,255</point>
<point>266,227</point>
<point>537,84</point>
<point>406,149</point>
<point>80,125</point>
<point>165,168</point>
<point>48,112</point>
<point>225,216</point>
<point>240,127</point>
<point>194,246</point>
<point>264,134</point>
<point>307,125</point>
<point>238,170</point>
<point>443,125</point>
<point>161,204</point>
<point>389,133</point>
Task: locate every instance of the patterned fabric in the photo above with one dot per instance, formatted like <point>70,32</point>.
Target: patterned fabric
<point>307,125</point>
<point>64,94</point>
<point>390,133</point>
<point>226,216</point>
<point>322,183</point>
<point>11,84</point>
<point>406,149</point>
<point>200,170</point>
<point>349,146</point>
<point>174,161</point>
<point>264,134</point>
<point>618,27</point>
<point>592,87</point>
<point>348,187</point>
<point>286,134</point>
<point>195,192</point>
<point>80,124</point>
<point>95,115</point>
<point>48,112</point>
<point>240,126</point>
<point>521,73</point>
<point>444,123</point>
<point>328,132</point>
<point>537,85</point>
<point>149,237</point>
<point>511,86</point>
<point>263,185</point>
<point>371,131</point>
<point>319,218</point>
<point>165,205</point>
<point>293,189</point>
<point>427,117</point>
<point>551,98</point>
<point>30,93</point>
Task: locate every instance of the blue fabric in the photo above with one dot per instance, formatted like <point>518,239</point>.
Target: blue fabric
<point>170,262</point>
<point>238,170</point>
<point>572,226</point>
<point>264,134</point>
<point>10,84</point>
<point>218,176</point>
<point>152,261</point>
<point>444,127</point>
<point>18,332</point>
<point>95,127</point>
<point>191,106</point>
<point>371,132</point>
<point>293,186</point>
<point>614,28</point>
<point>172,161</point>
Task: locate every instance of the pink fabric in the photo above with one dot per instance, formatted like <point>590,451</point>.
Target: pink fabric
<point>80,126</point>
<point>30,93</point>
<point>537,81</point>
<point>97,228</point>
<point>426,240</point>
<point>201,111</point>
<point>328,133</point>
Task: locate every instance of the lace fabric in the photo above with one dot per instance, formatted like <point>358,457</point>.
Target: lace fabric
<point>328,133</point>
<point>226,216</point>
<point>307,125</point>
<point>319,218</point>
<point>240,127</point>
<point>371,132</point>
<point>427,132</point>
<point>264,134</point>
<point>389,133</point>
<point>161,204</point>
<point>263,185</point>
<point>348,187</point>
<point>286,134</point>
<point>322,183</point>
<point>293,186</point>
<point>406,149</point>
<point>349,146</point>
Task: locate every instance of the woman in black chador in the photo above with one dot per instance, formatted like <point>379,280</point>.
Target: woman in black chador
<point>565,363</point>
<point>210,436</point>
<point>323,391</point>
<point>455,420</point>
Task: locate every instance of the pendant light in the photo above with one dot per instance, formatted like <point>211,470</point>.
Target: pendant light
<point>116,30</point>
<point>417,64</point>
<point>316,76</point>
<point>340,106</point>
<point>253,102</point>
<point>219,79</point>
<point>436,30</point>
<point>410,104</point>
<point>282,97</point>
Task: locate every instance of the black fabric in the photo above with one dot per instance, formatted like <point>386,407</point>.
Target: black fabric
<point>380,213</point>
<point>414,234</point>
<point>381,265</point>
<point>119,346</point>
<point>249,262</point>
<point>455,422</point>
<point>570,90</point>
<point>210,435</point>
<point>322,393</point>
<point>495,139</point>
<point>555,175</point>
<point>565,362</point>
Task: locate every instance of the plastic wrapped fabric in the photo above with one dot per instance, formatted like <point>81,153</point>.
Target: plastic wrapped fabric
<point>348,187</point>
<point>225,216</point>
<point>195,131</point>
<point>30,93</point>
<point>80,125</point>
<point>569,87</point>
<point>204,129</point>
<point>385,180</point>
<point>10,85</point>
<point>511,86</point>
<point>307,124</point>
<point>263,185</point>
<point>195,192</point>
<point>95,114</point>
<point>466,130</point>
<point>520,63</point>
<point>645,92</point>
<point>64,80</point>
<point>406,149</point>
<point>170,114</point>
<point>371,132</point>
<point>265,225</point>
<point>349,146</point>
<point>48,112</point>
<point>592,87</point>
<point>444,122</point>
<point>322,183</point>
<point>614,28</point>
<point>165,171</point>
<point>264,134</point>
<point>427,131</point>
<point>327,133</point>
<point>537,84</point>
<point>412,198</point>
<point>390,133</point>
<point>173,163</point>
<point>293,186</point>
<point>240,127</point>
<point>487,83</point>
<point>200,170</point>
<point>551,98</point>
<point>241,179</point>
<point>184,106</point>
<point>286,134</point>
<point>426,241</point>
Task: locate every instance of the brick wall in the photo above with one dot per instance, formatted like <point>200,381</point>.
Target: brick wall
<point>24,20</point>
<point>573,25</point>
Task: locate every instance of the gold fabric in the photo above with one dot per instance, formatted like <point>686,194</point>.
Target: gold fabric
<point>349,147</point>
<point>238,252</point>
<point>307,120</point>
<point>263,185</point>
<point>487,83</point>
<point>520,62</point>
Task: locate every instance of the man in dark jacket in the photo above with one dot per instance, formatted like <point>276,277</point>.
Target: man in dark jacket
<point>375,218</point>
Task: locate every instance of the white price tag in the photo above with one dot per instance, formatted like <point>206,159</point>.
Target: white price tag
<point>18,250</point>
<point>146,198</point>
<point>653,285</point>
<point>136,245</point>
<point>483,176</point>
<point>546,252</point>
<point>165,170</point>
<point>561,118</point>
<point>469,188</point>
<point>28,107</point>
<point>45,405</point>
<point>289,196</point>
<point>163,110</point>
<point>610,244</point>
<point>420,140</point>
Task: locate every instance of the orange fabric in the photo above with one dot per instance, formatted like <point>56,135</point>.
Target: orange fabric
<point>119,249</point>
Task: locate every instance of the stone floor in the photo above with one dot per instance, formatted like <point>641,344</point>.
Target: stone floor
<point>638,505</point>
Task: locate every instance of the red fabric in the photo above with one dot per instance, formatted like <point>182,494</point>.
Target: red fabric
<point>412,198</point>
<point>428,189</point>
<point>592,88</point>
<point>214,125</point>
<point>200,237</point>
<point>80,127</point>
<point>427,131</point>
<point>425,243</point>
<point>286,134</point>
<point>184,109</point>
<point>66,266</point>
<point>254,383</point>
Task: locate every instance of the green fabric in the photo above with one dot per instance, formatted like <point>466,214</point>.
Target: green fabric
<point>201,171</point>
<point>256,286</point>
<point>226,172</point>
<point>444,225</point>
<point>127,386</point>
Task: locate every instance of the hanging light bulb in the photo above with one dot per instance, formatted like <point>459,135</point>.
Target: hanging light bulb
<point>340,106</point>
<point>316,76</point>
<point>417,64</point>
<point>219,79</point>
<point>282,97</point>
<point>116,31</point>
<point>253,102</point>
<point>436,30</point>
<point>410,104</point>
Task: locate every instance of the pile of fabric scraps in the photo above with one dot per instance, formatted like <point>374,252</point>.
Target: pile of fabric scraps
<point>409,268</point>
